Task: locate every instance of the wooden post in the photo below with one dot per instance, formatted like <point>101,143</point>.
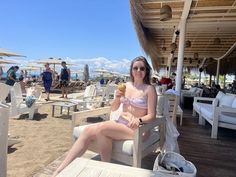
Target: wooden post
<point>4,120</point>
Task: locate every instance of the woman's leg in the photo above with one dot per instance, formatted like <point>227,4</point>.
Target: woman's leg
<point>79,147</point>
<point>109,131</point>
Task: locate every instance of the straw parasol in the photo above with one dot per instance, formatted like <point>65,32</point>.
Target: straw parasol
<point>5,61</point>
<point>8,53</point>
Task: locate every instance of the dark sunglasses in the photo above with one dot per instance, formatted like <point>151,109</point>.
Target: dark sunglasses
<point>140,68</point>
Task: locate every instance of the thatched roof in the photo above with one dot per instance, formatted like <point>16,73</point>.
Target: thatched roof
<point>210,29</point>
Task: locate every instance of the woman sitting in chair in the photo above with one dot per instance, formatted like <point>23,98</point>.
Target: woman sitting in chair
<point>139,106</point>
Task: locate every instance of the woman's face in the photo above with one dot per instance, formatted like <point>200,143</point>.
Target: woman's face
<point>138,70</point>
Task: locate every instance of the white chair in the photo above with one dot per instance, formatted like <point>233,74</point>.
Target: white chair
<point>5,89</point>
<point>174,108</point>
<point>219,111</point>
<point>88,98</point>
<point>4,120</point>
<point>129,152</point>
<point>18,105</point>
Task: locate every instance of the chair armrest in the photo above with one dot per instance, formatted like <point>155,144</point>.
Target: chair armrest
<point>196,99</point>
<point>78,116</point>
<point>138,142</point>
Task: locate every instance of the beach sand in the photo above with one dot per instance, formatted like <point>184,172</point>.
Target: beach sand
<point>42,140</point>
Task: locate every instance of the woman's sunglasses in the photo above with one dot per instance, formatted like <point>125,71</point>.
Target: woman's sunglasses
<point>140,68</point>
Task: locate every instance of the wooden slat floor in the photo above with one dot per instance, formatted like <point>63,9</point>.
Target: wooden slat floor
<point>212,158</point>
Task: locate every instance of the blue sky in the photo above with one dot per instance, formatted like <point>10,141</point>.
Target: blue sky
<point>77,29</point>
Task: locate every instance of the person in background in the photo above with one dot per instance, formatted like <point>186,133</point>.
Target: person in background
<point>139,106</point>
<point>22,84</point>
<point>64,79</point>
<point>47,77</point>
<point>11,79</point>
<point>11,75</point>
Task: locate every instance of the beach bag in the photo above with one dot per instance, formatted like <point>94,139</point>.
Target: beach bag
<point>173,164</point>
<point>29,101</point>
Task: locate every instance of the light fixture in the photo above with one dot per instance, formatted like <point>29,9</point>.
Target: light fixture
<point>173,46</point>
<point>188,44</point>
<point>165,13</point>
<point>217,41</point>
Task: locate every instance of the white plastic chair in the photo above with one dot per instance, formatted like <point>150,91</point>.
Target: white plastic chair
<point>129,152</point>
<point>5,89</point>
<point>18,105</point>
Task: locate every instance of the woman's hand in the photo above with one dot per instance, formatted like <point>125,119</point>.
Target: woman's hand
<point>118,94</point>
<point>133,121</point>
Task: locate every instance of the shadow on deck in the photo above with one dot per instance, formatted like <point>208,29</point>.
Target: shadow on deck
<point>212,158</point>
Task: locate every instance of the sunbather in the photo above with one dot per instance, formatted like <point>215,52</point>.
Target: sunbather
<point>139,106</point>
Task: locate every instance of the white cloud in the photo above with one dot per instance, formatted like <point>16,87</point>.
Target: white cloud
<point>121,66</point>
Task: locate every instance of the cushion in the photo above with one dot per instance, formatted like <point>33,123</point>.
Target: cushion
<point>228,117</point>
<point>227,100</point>
<point>230,114</point>
<point>193,89</point>
<point>219,95</point>
<point>124,146</point>
<point>234,103</point>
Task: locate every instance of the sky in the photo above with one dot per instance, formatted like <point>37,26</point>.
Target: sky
<point>98,32</point>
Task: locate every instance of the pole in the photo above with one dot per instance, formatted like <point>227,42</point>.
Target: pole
<point>180,55</point>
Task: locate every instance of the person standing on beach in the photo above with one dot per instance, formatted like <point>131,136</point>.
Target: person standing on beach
<point>64,79</point>
<point>47,76</point>
<point>139,100</point>
<point>11,75</point>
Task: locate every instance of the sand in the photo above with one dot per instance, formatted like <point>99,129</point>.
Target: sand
<point>42,140</point>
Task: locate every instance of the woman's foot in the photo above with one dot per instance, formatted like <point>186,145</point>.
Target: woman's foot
<point>61,97</point>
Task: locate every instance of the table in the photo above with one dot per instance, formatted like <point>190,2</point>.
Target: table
<point>82,167</point>
<point>67,105</point>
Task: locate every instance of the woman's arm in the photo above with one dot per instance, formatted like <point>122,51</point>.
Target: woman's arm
<point>10,75</point>
<point>116,102</point>
<point>152,104</point>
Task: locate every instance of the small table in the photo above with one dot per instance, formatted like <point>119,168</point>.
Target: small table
<point>82,167</point>
<point>68,105</point>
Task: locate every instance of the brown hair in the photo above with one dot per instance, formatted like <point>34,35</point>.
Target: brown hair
<point>147,76</point>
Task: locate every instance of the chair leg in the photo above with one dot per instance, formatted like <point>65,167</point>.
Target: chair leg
<point>181,118</point>
<point>194,113</point>
<point>214,132</point>
<point>31,113</point>
<point>200,119</point>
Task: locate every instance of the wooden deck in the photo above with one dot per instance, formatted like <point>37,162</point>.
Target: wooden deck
<point>212,158</point>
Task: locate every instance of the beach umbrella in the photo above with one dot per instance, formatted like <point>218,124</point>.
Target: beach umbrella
<point>86,73</point>
<point>5,61</point>
<point>51,60</point>
<point>102,71</point>
<point>8,53</point>
<point>54,61</point>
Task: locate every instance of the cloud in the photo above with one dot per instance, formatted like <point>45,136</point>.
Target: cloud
<point>121,66</point>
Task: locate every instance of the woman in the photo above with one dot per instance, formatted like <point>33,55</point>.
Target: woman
<point>11,75</point>
<point>47,76</point>
<point>139,106</point>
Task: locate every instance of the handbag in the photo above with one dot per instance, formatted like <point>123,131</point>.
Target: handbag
<point>174,164</point>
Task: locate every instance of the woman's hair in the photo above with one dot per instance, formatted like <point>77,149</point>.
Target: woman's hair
<point>12,67</point>
<point>147,76</point>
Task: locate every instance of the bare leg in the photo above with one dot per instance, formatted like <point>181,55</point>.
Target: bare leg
<point>62,91</point>
<point>103,133</point>
<point>78,149</point>
<point>108,131</point>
